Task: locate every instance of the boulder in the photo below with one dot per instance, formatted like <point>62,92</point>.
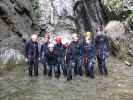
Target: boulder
<point>115,29</point>
<point>10,58</point>
<point>121,40</point>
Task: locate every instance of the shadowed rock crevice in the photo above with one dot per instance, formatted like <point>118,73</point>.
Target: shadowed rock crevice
<point>89,14</point>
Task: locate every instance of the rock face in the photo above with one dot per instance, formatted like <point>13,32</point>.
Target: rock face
<point>54,16</point>
<point>15,22</point>
<point>70,15</point>
<point>89,15</point>
<point>15,26</point>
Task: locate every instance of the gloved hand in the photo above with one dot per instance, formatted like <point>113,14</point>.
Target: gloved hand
<point>26,60</point>
<point>39,59</point>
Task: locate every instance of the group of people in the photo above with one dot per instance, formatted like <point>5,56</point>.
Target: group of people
<point>73,58</point>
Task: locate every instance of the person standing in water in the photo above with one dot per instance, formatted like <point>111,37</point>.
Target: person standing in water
<point>44,52</point>
<point>32,54</point>
<point>60,50</point>
<point>89,55</point>
<point>74,57</point>
<point>102,49</point>
<point>52,61</point>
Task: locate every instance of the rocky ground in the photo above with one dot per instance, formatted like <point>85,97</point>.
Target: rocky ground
<point>16,85</point>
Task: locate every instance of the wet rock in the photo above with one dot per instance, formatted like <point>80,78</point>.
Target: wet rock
<point>16,25</point>
<point>127,63</point>
<point>10,58</point>
<point>72,15</point>
<point>54,16</point>
<point>15,22</point>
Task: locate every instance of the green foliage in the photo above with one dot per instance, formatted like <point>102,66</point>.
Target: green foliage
<point>118,9</point>
<point>35,8</point>
<point>130,14</point>
<point>114,3</point>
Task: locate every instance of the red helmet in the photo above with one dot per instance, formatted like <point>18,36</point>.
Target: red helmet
<point>58,39</point>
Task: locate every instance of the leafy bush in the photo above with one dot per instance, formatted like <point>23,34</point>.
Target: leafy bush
<point>119,9</point>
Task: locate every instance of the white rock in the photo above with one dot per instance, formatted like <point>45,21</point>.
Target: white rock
<point>115,29</point>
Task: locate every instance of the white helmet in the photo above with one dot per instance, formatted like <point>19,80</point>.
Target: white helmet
<point>74,36</point>
<point>51,45</point>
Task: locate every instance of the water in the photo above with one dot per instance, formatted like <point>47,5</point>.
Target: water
<point>17,85</point>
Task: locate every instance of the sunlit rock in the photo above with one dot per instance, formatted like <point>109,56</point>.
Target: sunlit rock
<point>115,29</point>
